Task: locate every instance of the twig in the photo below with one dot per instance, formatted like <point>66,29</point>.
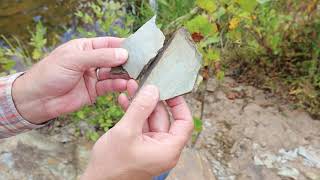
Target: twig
<point>202,94</point>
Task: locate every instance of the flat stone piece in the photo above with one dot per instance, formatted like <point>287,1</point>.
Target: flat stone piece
<point>176,69</point>
<point>143,46</point>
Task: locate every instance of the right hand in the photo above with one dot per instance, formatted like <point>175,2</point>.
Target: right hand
<point>66,79</point>
<point>143,144</point>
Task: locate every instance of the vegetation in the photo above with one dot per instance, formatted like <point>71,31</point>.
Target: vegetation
<point>102,116</point>
<point>271,44</point>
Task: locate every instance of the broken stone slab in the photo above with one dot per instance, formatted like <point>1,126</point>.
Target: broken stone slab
<point>175,70</point>
<point>143,46</point>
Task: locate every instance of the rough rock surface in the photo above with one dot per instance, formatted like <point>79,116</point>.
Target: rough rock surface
<point>247,134</point>
<point>192,166</point>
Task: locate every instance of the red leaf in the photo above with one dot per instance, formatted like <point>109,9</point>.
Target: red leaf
<point>197,37</point>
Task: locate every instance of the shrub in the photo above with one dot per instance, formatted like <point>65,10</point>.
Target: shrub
<point>268,43</point>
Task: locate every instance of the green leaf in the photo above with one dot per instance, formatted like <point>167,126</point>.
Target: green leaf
<point>8,64</point>
<point>221,11</point>
<point>80,114</point>
<point>248,5</point>
<point>209,41</point>
<point>94,136</point>
<point>220,75</point>
<point>213,54</point>
<point>197,124</point>
<point>207,5</point>
<point>202,25</point>
<point>263,1</point>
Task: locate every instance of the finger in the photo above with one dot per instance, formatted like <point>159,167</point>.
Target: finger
<point>104,73</point>
<point>105,42</point>
<point>111,85</point>
<point>159,119</point>
<point>132,88</point>
<point>124,104</point>
<point>141,108</point>
<point>105,57</point>
<point>123,101</point>
<point>146,128</point>
<point>182,125</point>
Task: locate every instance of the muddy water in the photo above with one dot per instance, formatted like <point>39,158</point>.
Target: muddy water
<point>17,15</point>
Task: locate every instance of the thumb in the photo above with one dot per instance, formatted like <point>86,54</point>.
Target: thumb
<point>141,108</point>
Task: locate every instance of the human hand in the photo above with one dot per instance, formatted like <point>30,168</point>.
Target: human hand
<point>143,144</point>
<point>66,80</point>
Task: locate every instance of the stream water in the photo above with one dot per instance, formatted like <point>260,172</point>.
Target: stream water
<point>17,15</point>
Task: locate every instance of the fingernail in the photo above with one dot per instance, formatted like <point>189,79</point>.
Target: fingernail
<point>121,54</point>
<point>151,91</point>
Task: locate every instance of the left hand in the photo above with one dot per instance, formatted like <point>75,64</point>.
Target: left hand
<point>143,143</point>
<point>66,79</point>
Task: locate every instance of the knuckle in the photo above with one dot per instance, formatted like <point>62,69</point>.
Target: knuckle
<point>143,102</point>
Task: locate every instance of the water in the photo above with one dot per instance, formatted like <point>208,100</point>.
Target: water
<point>17,15</point>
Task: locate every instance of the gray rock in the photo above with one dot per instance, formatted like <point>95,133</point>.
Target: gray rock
<point>192,165</point>
<point>34,156</point>
<point>289,172</point>
<point>212,85</point>
<point>310,157</point>
<point>142,46</point>
<point>176,69</point>
<point>252,137</point>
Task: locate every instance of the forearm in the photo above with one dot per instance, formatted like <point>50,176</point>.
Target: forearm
<point>28,106</point>
<point>11,121</point>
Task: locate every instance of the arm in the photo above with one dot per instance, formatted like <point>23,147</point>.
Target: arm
<point>61,83</point>
<point>11,122</point>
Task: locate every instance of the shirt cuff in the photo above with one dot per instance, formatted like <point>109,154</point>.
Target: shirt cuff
<point>11,122</point>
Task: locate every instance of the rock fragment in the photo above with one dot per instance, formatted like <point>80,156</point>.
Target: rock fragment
<point>142,46</point>
<point>175,70</point>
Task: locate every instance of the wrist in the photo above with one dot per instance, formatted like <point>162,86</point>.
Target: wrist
<point>26,103</point>
<point>112,174</point>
